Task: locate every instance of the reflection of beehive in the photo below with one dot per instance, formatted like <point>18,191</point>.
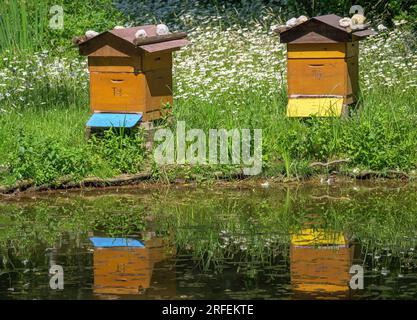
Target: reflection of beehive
<point>323,69</point>
<point>129,270</point>
<point>320,264</point>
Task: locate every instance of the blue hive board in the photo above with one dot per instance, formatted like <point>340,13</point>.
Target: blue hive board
<point>100,242</point>
<point>114,120</point>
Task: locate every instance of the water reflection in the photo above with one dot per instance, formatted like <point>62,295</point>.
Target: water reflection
<point>320,261</point>
<point>210,244</point>
<point>129,270</point>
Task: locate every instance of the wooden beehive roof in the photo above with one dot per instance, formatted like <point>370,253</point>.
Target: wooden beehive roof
<point>322,29</point>
<point>122,42</point>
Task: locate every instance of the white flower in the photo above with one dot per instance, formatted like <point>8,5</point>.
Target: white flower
<point>381,27</point>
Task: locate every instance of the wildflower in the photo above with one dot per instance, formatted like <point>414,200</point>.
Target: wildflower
<point>381,27</point>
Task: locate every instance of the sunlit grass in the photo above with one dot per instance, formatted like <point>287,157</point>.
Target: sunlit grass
<point>230,77</point>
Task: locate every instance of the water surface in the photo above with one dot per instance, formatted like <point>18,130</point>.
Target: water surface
<point>293,242</point>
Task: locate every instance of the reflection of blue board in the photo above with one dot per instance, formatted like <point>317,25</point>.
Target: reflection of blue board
<point>115,120</point>
<point>115,242</point>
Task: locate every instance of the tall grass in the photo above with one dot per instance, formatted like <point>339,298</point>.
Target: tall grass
<point>23,25</point>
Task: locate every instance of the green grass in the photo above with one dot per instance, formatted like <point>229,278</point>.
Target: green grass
<point>23,24</point>
<point>233,78</point>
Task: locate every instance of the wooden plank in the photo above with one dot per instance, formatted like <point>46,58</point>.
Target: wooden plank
<point>108,51</point>
<point>352,49</point>
<point>115,64</point>
<point>159,82</point>
<point>316,50</point>
<point>159,38</point>
<point>107,39</point>
<point>156,61</point>
<point>157,103</point>
<point>313,31</point>
<point>364,33</point>
<point>165,46</point>
<point>321,107</point>
<point>316,77</point>
<point>122,92</point>
<point>114,69</point>
<point>352,79</point>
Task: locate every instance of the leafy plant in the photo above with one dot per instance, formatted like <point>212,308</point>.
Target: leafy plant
<point>123,150</point>
<point>45,160</point>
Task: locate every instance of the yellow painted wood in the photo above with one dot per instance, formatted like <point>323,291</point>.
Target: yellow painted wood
<point>115,64</point>
<point>321,287</point>
<point>117,92</point>
<point>317,77</point>
<point>316,50</point>
<point>312,237</point>
<point>322,107</point>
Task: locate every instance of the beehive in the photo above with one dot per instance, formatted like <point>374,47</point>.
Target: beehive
<point>130,270</point>
<point>130,75</point>
<point>320,264</point>
<point>322,66</point>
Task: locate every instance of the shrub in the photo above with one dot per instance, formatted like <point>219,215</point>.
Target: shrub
<point>122,150</point>
<point>45,159</point>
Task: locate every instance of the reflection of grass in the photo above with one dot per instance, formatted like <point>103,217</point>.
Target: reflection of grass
<point>248,231</point>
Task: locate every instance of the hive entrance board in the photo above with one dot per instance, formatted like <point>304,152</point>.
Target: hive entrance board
<point>114,120</point>
<point>321,107</point>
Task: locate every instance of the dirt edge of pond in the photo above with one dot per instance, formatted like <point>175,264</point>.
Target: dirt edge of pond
<point>28,186</point>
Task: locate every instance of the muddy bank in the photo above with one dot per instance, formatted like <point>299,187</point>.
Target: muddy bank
<point>147,181</point>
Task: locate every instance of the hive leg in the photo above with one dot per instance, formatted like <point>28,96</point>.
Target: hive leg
<point>88,132</point>
<point>149,129</point>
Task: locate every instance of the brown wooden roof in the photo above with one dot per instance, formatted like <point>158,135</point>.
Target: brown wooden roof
<point>122,42</point>
<point>322,29</point>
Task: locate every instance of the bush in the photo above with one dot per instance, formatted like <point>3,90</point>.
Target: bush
<point>45,160</point>
<point>122,150</point>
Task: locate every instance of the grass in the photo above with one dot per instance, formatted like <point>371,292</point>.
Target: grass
<point>23,24</point>
<point>233,76</point>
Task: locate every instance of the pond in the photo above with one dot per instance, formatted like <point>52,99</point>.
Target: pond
<point>344,241</point>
